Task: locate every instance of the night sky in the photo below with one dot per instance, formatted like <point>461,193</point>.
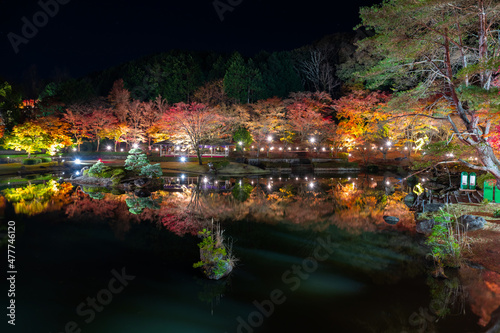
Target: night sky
<point>91,35</point>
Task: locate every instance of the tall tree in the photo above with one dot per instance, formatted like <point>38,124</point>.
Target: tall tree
<point>242,81</point>
<point>195,124</point>
<point>119,97</point>
<point>76,116</point>
<point>100,121</point>
<point>448,49</point>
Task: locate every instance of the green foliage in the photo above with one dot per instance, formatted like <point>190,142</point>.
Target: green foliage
<point>220,164</point>
<point>241,191</point>
<point>46,159</point>
<point>214,256</point>
<point>136,159</point>
<point>242,82</point>
<point>151,170</point>
<point>445,246</point>
<point>137,205</point>
<point>31,192</point>
<point>117,175</point>
<point>99,170</point>
<point>343,155</point>
<point>32,161</point>
<point>242,135</point>
<point>96,196</point>
<point>496,213</point>
<point>482,178</point>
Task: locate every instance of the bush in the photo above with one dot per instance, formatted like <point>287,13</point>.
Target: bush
<point>343,155</point>
<point>446,245</point>
<point>481,179</point>
<point>31,161</point>
<point>220,164</point>
<point>118,172</point>
<point>151,170</point>
<point>136,159</point>
<point>99,170</point>
<point>46,159</point>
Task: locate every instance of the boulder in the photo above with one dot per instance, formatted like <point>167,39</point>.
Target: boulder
<point>142,193</point>
<point>433,207</point>
<point>141,182</point>
<point>425,226</point>
<point>391,219</point>
<point>471,222</point>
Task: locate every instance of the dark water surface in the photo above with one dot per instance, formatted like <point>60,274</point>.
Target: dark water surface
<point>313,258</point>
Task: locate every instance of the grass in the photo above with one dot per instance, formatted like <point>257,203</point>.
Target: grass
<point>486,211</point>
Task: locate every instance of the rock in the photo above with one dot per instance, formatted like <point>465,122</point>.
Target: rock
<point>409,200</point>
<point>141,193</point>
<point>391,220</point>
<point>425,226</point>
<point>83,169</point>
<point>433,207</point>
<point>141,182</point>
<point>471,222</point>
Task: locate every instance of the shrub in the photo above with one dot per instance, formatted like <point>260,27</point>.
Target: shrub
<point>31,161</point>
<point>99,170</point>
<point>136,159</point>
<point>481,179</point>
<point>46,159</point>
<point>220,164</point>
<point>151,170</point>
<point>496,213</point>
<point>343,155</point>
<point>118,172</point>
<point>446,244</point>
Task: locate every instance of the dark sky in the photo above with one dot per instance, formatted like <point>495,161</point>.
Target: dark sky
<point>89,35</point>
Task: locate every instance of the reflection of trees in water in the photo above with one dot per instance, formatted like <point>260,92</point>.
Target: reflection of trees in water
<point>350,207</point>
<point>41,198</point>
<point>483,292</point>
<point>213,291</point>
<point>328,202</point>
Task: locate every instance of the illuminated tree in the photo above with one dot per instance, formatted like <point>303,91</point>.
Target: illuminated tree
<point>194,123</point>
<point>34,136</point>
<point>76,116</point>
<point>307,113</point>
<point>100,123</point>
<point>448,50</point>
<point>29,137</point>
<point>57,133</point>
<point>119,97</point>
<point>360,114</point>
<point>268,120</point>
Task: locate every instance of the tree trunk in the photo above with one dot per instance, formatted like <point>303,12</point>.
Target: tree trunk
<point>98,143</point>
<point>198,153</point>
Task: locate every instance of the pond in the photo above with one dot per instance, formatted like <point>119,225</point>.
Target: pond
<point>315,255</point>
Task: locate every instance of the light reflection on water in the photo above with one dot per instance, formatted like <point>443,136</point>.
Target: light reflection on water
<point>374,280</point>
